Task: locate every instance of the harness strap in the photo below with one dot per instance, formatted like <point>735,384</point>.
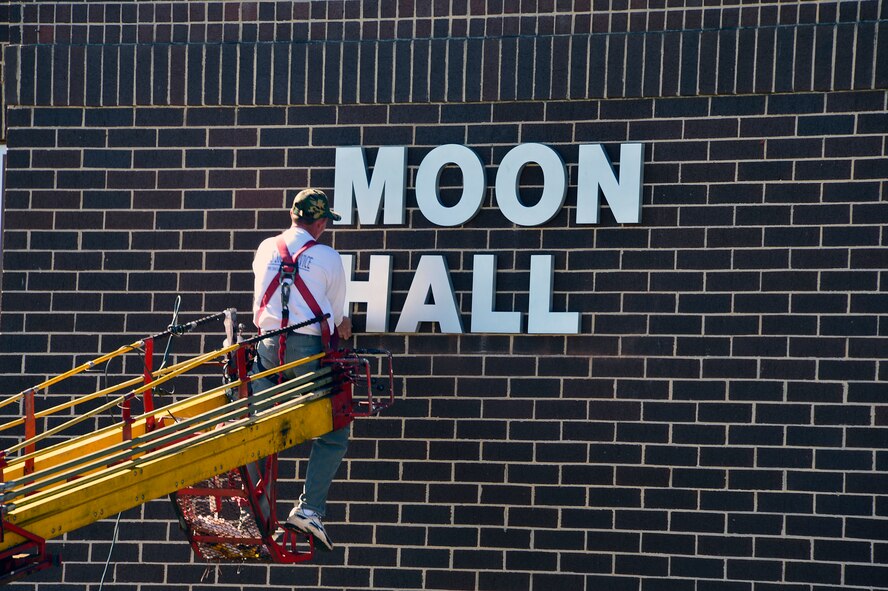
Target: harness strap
<point>289,275</point>
<point>274,284</point>
<point>286,277</point>
<point>303,288</point>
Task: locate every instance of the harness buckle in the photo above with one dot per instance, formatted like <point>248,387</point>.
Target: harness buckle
<point>287,275</point>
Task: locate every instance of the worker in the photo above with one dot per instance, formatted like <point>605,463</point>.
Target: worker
<point>279,300</point>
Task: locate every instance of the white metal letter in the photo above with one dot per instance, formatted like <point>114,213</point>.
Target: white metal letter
<point>554,184</point>
<point>540,318</point>
<point>375,292</point>
<point>389,180</point>
<point>484,317</point>
<point>623,195</point>
<point>428,175</point>
<point>432,276</point>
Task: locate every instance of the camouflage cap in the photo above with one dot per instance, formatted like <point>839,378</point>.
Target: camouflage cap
<point>311,205</point>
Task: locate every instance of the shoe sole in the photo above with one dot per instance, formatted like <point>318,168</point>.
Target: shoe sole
<point>320,543</point>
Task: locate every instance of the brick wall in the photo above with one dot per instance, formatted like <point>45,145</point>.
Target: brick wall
<point>719,423</point>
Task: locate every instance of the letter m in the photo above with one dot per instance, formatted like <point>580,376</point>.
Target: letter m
<point>386,186</point>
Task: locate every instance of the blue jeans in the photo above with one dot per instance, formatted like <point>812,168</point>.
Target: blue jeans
<point>327,450</point>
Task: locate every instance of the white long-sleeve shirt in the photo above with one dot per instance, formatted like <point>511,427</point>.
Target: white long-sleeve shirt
<point>320,268</point>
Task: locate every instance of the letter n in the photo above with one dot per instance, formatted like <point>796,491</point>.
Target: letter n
<point>623,195</point>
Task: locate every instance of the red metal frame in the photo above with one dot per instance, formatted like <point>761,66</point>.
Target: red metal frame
<point>353,368</point>
<point>148,395</point>
<point>25,558</point>
<point>258,479</point>
<point>284,550</point>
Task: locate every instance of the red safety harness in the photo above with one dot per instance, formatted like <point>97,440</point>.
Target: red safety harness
<point>288,275</point>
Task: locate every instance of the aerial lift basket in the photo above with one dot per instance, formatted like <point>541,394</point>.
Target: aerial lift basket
<point>231,517</point>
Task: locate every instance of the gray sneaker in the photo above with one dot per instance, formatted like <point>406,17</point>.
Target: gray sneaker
<point>299,521</point>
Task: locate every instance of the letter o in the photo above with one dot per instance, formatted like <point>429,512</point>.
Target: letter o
<point>429,174</point>
<point>554,184</point>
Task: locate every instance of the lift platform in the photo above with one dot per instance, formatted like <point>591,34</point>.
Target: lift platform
<point>213,453</point>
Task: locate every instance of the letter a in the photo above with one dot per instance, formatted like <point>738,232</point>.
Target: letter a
<point>432,276</point>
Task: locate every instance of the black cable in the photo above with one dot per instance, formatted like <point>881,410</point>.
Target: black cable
<point>117,523</point>
<point>277,331</point>
<point>173,330</point>
<point>180,329</point>
<point>110,550</point>
<point>166,354</point>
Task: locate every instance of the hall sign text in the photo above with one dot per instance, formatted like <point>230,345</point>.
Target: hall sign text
<point>431,297</point>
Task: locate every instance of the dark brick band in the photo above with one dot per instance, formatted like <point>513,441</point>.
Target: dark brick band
<point>815,57</point>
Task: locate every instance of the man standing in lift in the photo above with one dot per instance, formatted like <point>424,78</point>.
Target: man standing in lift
<point>294,259</point>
